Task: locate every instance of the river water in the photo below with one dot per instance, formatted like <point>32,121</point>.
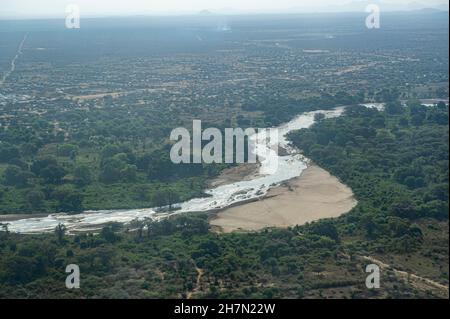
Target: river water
<point>274,170</point>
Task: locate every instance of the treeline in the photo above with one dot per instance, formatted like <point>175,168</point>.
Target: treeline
<point>280,109</point>
<point>174,247</point>
<point>395,161</point>
<point>148,259</point>
<point>62,181</point>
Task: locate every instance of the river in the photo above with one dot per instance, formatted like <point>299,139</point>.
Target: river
<point>289,165</point>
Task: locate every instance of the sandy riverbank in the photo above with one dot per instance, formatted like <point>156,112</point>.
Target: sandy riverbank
<point>314,195</point>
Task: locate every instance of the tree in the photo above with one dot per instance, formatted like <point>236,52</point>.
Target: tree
<point>8,152</point>
<point>41,163</point>
<point>69,199</point>
<point>367,222</point>
<point>21,270</point>
<point>110,150</point>
<point>15,176</point>
<point>149,224</point>
<point>326,228</point>
<point>442,106</point>
<point>165,198</point>
<point>53,174</point>
<point>142,192</point>
<point>109,174</point>
<point>417,111</point>
<point>159,199</point>
<point>108,232</point>
<point>4,227</point>
<point>67,150</point>
<point>104,255</point>
<point>35,199</point>
<point>394,108</point>
<point>138,225</point>
<point>172,198</point>
<point>60,231</point>
<point>113,169</point>
<point>82,175</point>
<point>404,209</point>
<point>129,173</point>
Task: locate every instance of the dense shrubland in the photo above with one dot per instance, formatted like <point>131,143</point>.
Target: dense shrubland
<point>397,166</point>
<point>115,167</point>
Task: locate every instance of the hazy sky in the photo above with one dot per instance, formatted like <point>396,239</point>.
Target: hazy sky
<point>30,8</point>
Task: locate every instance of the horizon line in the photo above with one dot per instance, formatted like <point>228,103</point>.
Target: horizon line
<point>210,14</point>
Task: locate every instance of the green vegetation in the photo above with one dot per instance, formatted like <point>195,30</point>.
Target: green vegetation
<point>88,174</point>
<point>85,119</point>
<point>398,169</point>
<point>93,114</point>
<point>395,161</point>
<point>60,179</point>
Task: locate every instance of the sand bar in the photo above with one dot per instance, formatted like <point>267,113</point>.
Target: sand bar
<point>314,195</point>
